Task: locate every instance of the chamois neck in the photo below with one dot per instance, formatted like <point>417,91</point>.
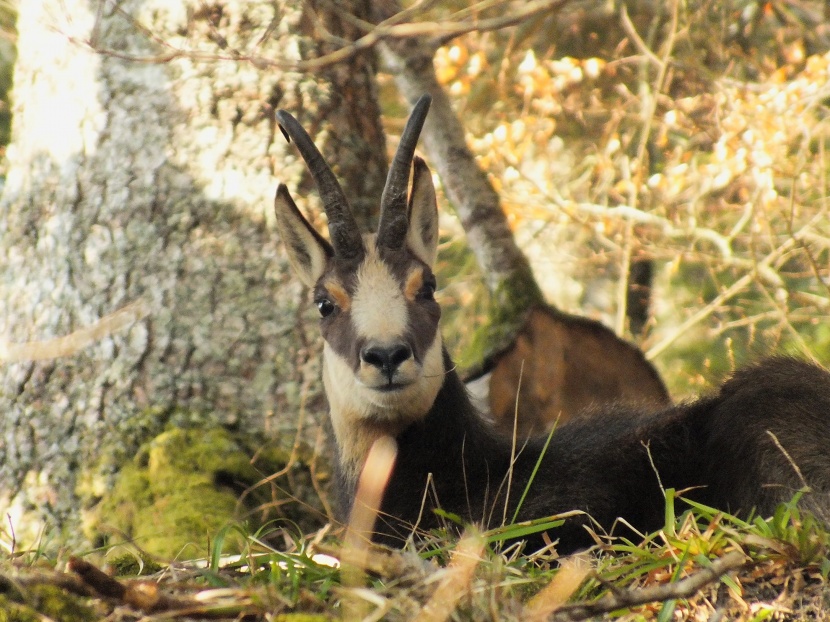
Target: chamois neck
<point>359,416</point>
<point>453,416</point>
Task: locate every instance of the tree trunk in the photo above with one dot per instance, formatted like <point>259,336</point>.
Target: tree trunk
<point>478,205</point>
<point>508,274</point>
<point>153,181</point>
<point>530,358</point>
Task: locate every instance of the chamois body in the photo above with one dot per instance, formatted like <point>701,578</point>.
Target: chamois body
<point>719,450</point>
<point>763,436</point>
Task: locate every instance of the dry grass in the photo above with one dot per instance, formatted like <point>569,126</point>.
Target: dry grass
<point>703,565</point>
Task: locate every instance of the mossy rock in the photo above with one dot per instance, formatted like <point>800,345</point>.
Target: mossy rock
<point>11,611</point>
<point>183,488</point>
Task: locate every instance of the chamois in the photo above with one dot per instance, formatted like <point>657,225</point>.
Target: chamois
<point>558,365</point>
<point>764,435</point>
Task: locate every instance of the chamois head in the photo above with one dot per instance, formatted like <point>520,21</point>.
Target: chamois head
<point>382,359</point>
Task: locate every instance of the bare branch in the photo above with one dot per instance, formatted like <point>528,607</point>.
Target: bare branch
<point>684,588</point>
<point>670,230</point>
<point>734,289</point>
<point>393,28</point>
<point>631,31</point>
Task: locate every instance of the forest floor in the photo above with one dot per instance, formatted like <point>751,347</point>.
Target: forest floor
<point>704,565</point>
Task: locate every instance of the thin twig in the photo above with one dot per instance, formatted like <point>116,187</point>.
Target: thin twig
<point>638,42</point>
<point>148,597</point>
<point>684,588</point>
<point>624,281</point>
<point>651,103</point>
<point>783,317</point>
<point>789,458</point>
<point>513,444</point>
<point>440,32</point>
<point>738,286</point>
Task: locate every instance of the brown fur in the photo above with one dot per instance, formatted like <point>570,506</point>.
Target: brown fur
<point>560,365</point>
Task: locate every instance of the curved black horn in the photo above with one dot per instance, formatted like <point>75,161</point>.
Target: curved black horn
<point>343,229</point>
<point>393,217</point>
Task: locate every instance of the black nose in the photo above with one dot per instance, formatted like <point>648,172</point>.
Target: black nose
<point>386,358</point>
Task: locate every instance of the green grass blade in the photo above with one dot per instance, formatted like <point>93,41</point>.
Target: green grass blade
<point>533,474</point>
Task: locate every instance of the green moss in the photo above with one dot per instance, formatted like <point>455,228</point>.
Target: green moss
<point>463,293</point>
<point>46,601</point>
<point>479,322</point>
<point>167,498</point>
<point>11,611</point>
<point>133,565</point>
<point>509,305</point>
<point>94,482</point>
<point>58,604</point>
<point>180,489</point>
<point>8,55</point>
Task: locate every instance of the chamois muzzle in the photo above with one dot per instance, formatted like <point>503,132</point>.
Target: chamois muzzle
<point>387,359</point>
<point>343,230</point>
<point>394,220</point>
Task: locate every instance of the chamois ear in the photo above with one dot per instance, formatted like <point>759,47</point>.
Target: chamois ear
<point>422,234</point>
<point>307,251</point>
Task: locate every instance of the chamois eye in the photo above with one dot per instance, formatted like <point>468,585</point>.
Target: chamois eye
<point>325,307</point>
<point>427,291</point>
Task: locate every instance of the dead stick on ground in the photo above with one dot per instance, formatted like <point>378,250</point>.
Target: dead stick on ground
<point>630,598</point>
<point>141,595</point>
<point>97,579</point>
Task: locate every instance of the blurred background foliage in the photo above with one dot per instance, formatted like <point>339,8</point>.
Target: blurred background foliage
<point>691,134</point>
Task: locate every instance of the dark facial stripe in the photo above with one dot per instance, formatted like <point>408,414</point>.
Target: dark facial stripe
<point>405,275</point>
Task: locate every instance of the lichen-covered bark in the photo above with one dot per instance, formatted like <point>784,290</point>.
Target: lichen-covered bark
<point>144,180</point>
<point>354,145</point>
